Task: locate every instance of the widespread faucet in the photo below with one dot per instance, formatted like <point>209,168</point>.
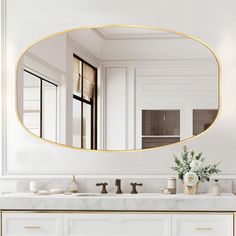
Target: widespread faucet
<point>118,185</point>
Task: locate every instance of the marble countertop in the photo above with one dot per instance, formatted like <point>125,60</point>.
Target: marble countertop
<point>124,202</point>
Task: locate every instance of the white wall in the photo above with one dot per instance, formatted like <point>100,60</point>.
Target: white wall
<point>116,109</point>
<point>26,21</point>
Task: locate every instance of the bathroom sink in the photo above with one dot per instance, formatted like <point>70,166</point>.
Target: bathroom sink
<point>124,195</point>
<point>94,195</point>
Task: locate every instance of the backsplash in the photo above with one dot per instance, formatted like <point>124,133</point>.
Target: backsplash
<point>89,185</point>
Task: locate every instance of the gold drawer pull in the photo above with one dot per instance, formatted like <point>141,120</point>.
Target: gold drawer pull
<point>31,227</point>
<point>203,228</point>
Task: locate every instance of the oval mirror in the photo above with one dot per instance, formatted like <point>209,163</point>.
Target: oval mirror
<point>117,88</point>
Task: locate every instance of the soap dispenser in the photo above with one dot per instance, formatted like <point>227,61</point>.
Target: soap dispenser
<point>216,189</point>
<point>73,187</point>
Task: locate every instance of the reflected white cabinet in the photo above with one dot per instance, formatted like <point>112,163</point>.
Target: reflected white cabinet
<point>202,225</point>
<point>29,224</point>
<point>117,224</point>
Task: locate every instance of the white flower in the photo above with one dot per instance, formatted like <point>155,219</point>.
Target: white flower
<point>196,165</point>
<point>190,179</point>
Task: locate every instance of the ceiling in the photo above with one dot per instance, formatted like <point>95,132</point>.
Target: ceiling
<point>126,33</point>
<point>136,43</point>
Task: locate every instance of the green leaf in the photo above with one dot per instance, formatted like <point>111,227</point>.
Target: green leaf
<point>182,165</point>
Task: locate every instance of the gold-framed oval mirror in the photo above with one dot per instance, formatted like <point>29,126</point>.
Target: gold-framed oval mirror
<point>118,88</point>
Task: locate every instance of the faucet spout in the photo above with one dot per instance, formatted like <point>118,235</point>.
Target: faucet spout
<point>118,185</point>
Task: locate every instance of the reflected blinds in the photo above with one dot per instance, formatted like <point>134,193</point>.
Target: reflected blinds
<point>87,74</point>
<point>77,67</point>
<point>88,81</point>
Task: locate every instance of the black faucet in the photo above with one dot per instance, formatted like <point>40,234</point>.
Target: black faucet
<point>118,184</point>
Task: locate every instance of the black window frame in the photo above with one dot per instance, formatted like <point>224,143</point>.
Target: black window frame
<point>41,98</point>
<point>93,104</point>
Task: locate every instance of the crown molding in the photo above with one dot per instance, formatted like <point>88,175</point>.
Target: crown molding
<point>160,36</point>
<point>84,45</point>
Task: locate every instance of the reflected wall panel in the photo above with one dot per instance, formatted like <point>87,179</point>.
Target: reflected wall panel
<point>115,122</point>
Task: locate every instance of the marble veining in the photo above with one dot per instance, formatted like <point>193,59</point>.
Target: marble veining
<point>125,202</point>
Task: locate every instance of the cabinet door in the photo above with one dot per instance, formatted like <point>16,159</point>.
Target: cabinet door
<point>117,224</point>
<point>202,225</point>
<point>30,224</point>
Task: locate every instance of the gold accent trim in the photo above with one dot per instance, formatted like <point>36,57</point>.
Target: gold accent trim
<point>0,223</point>
<point>203,228</point>
<point>31,227</point>
<point>234,224</point>
<point>121,212</point>
<point>127,26</point>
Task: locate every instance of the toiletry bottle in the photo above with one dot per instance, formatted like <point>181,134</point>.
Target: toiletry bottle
<point>73,188</point>
<point>216,188</point>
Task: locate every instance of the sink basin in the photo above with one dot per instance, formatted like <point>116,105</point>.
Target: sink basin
<point>124,195</point>
<point>94,195</point>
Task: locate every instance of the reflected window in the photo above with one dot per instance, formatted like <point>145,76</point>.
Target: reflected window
<point>84,104</point>
<point>40,106</point>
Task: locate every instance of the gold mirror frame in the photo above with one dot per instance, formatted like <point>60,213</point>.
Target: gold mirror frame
<point>198,40</point>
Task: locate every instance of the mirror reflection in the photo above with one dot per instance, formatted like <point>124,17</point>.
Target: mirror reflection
<point>117,88</point>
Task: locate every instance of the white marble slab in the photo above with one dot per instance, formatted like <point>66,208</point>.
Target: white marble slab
<point>124,202</point>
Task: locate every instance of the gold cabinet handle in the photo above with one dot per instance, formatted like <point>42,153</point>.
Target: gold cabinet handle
<point>203,228</point>
<point>31,227</point>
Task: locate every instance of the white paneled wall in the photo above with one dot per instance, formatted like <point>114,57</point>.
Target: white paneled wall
<point>116,109</point>
<point>175,84</point>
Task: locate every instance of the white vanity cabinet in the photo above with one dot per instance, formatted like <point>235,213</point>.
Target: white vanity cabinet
<point>30,224</point>
<point>202,225</point>
<point>108,224</point>
<point>116,224</point>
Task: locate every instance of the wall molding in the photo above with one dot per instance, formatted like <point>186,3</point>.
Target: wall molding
<point>3,98</point>
<point>159,34</point>
<point>86,52</point>
<point>105,108</point>
<point>190,62</point>
<point>100,176</point>
<point>35,63</point>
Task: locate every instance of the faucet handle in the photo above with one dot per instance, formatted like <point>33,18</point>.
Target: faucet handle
<point>134,190</point>
<point>104,190</point>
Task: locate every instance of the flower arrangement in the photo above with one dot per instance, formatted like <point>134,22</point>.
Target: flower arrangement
<point>191,169</point>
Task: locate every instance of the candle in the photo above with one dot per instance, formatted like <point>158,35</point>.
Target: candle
<point>33,187</point>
